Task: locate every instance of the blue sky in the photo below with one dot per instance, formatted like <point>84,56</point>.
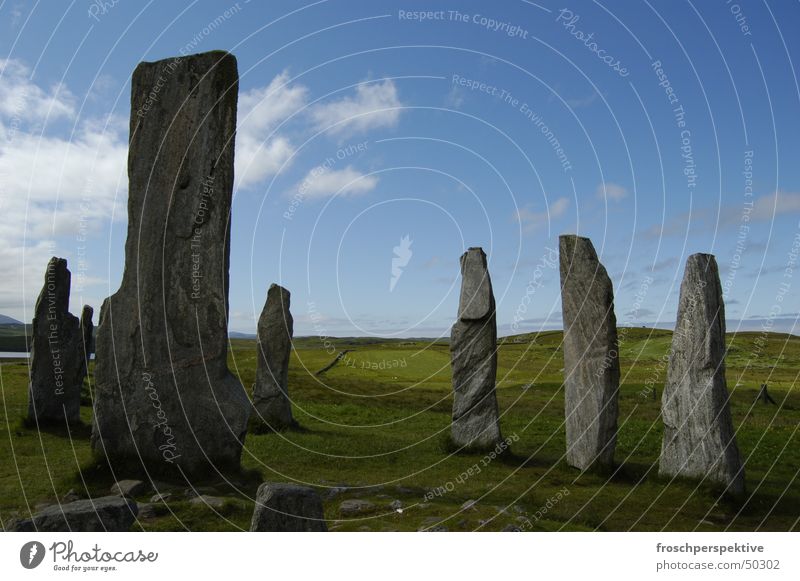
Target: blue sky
<point>658,129</point>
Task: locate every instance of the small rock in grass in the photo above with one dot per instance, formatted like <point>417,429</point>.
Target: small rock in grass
<point>354,507</point>
<point>469,505</point>
<point>130,488</point>
<point>210,501</point>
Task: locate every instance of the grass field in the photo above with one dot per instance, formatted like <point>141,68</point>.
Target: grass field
<point>375,426</point>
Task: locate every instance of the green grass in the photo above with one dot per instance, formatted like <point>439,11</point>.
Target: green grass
<point>378,423</point>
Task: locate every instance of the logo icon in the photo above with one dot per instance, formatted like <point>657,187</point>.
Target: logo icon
<point>31,554</point>
<point>402,254</point>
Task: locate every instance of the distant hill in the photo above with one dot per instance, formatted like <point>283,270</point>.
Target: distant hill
<point>6,320</point>
<point>238,335</point>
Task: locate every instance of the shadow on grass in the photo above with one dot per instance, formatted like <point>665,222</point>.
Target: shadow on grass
<point>261,428</point>
<point>77,430</point>
<point>99,475</point>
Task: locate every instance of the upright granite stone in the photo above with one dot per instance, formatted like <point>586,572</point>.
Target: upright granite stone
<point>699,439</point>
<point>473,352</point>
<point>164,395</point>
<point>87,342</point>
<point>275,326</point>
<point>591,363</point>
<point>284,508</point>
<point>54,394</point>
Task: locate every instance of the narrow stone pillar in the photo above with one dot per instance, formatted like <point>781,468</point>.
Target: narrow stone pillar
<point>164,395</point>
<point>473,351</point>
<point>591,355</point>
<point>699,439</point>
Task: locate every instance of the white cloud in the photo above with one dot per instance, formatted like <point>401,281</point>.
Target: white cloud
<point>611,190</point>
<point>322,182</point>
<point>51,184</point>
<point>532,221</point>
<point>774,205</point>
<point>22,100</point>
<point>260,151</point>
<point>374,106</point>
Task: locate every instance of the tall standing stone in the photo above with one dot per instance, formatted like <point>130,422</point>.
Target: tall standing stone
<point>473,352</point>
<point>54,393</point>
<point>87,341</point>
<point>164,395</point>
<point>699,439</point>
<point>591,361</point>
<point>270,394</point>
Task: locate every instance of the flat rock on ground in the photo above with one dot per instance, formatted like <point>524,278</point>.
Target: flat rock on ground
<point>283,507</point>
<point>108,513</point>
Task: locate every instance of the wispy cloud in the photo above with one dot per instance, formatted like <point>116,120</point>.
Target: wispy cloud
<point>323,182</point>
<point>611,191</point>
<point>51,185</point>
<point>532,221</point>
<point>260,150</point>
<point>375,105</point>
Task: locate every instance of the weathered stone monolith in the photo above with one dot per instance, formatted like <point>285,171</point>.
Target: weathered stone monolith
<point>473,351</point>
<point>56,354</point>
<point>87,342</point>
<point>164,395</point>
<point>270,394</point>
<point>699,439</point>
<point>591,362</point>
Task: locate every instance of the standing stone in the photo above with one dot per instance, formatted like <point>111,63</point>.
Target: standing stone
<point>87,342</point>
<point>591,362</point>
<point>473,352</point>
<point>270,395</point>
<point>56,355</point>
<point>287,508</point>
<point>164,396</point>
<point>699,439</point>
